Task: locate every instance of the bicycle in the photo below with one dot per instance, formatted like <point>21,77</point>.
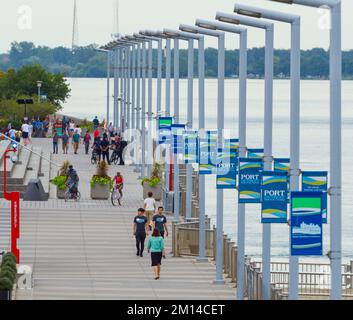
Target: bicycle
<point>72,195</point>
<point>115,157</point>
<point>116,196</point>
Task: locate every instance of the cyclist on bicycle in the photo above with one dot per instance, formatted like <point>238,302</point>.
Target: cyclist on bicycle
<point>119,183</point>
<point>72,181</point>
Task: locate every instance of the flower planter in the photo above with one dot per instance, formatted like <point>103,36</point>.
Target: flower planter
<point>5,295</point>
<point>100,192</point>
<point>60,194</point>
<point>157,191</point>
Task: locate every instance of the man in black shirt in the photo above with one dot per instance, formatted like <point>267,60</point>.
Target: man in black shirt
<point>121,148</point>
<point>140,231</point>
<point>160,222</point>
<point>105,148</point>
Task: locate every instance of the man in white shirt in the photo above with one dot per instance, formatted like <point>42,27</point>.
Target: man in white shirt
<point>25,133</point>
<point>150,208</point>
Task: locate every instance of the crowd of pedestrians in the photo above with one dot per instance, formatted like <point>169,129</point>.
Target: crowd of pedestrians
<point>148,221</point>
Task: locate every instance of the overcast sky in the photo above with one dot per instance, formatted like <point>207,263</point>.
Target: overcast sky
<point>49,22</point>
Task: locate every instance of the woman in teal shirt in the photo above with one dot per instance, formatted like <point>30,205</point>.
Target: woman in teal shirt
<point>156,246</point>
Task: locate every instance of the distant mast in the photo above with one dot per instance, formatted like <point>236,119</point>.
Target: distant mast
<point>75,28</point>
<point>116,28</point>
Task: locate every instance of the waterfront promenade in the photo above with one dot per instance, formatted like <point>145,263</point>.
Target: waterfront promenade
<point>86,250</point>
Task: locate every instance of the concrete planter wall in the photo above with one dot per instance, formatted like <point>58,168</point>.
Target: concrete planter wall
<point>99,192</point>
<point>157,191</point>
<point>60,194</point>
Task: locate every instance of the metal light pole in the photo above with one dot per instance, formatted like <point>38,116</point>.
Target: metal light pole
<point>109,57</point>
<point>39,85</point>
<point>174,35</point>
<point>294,21</point>
<point>190,39</point>
<point>202,198</point>
<point>242,139</point>
<point>268,123</point>
<point>335,253</point>
<point>220,126</point>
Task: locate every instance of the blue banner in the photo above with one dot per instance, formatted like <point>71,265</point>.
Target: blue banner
<point>178,141</point>
<point>191,147</point>
<point>274,194</point>
<point>208,153</point>
<point>233,145</point>
<point>164,129</point>
<point>250,180</point>
<point>281,164</point>
<point>226,169</point>
<point>317,181</point>
<point>255,153</point>
<point>306,224</point>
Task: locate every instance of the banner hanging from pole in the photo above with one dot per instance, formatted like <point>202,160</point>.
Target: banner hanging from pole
<point>274,195</point>
<point>226,169</point>
<point>317,181</point>
<point>191,151</point>
<point>306,224</point>
<point>250,180</point>
<point>178,141</point>
<point>255,153</point>
<point>164,129</point>
<point>232,145</point>
<point>208,153</point>
<point>281,164</point>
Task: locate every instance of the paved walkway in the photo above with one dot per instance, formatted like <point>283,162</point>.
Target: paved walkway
<point>86,250</point>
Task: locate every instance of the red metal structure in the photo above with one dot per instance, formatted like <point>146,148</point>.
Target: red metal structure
<point>14,197</point>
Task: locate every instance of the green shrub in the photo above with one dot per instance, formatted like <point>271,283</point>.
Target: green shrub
<point>9,264</point>
<point>6,284</point>
<point>9,256</point>
<point>60,182</point>
<point>7,273</point>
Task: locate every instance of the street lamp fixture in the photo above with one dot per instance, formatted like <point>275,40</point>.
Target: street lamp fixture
<point>294,20</point>
<point>335,138</point>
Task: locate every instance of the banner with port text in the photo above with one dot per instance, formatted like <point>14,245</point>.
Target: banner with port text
<point>274,195</point>
<point>250,180</point>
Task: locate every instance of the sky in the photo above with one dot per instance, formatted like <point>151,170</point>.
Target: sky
<point>49,22</point>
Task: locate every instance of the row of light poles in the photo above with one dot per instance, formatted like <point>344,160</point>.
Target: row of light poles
<point>251,17</point>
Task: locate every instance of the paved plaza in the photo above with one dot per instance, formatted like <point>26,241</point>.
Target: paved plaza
<point>86,250</point>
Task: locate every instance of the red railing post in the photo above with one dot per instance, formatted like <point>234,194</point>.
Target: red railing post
<point>14,197</point>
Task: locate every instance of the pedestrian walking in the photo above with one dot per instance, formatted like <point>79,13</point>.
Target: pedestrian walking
<point>150,206</point>
<point>122,146</point>
<point>95,123</point>
<point>105,148</point>
<point>76,141</point>
<point>65,141</point>
<point>140,231</point>
<point>155,245</point>
<point>55,142</point>
<point>25,133</point>
<point>160,222</point>
<point>12,134</point>
<point>71,128</point>
<point>87,141</point>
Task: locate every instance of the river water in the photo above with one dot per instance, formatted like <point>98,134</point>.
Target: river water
<point>88,99</point>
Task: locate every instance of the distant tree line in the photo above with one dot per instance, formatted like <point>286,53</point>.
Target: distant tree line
<point>88,62</point>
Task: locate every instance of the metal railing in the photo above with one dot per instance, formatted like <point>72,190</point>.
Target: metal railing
<point>314,278</point>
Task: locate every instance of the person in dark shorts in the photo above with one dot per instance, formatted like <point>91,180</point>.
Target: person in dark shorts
<point>156,247</point>
<point>105,148</point>
<point>160,222</point>
<point>140,231</point>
